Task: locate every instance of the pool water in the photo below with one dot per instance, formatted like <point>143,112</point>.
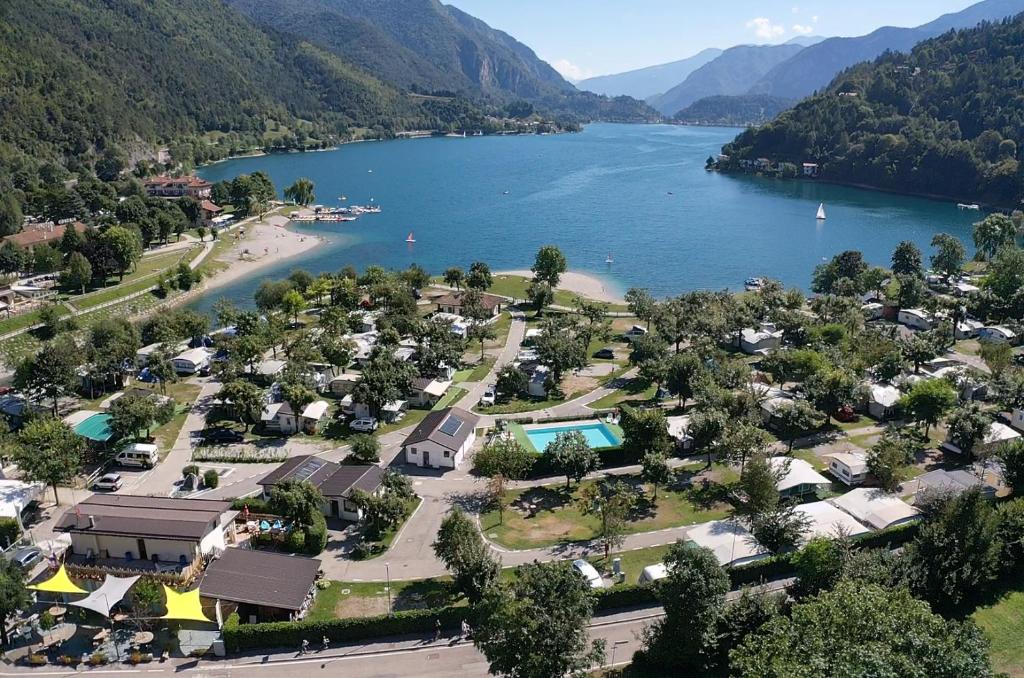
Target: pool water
<point>597,435</point>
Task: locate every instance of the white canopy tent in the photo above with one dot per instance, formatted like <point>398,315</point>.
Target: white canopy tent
<point>108,595</point>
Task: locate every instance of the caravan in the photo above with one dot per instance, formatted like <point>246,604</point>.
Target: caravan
<point>142,455</point>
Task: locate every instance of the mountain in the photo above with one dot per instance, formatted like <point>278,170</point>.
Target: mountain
<point>425,46</point>
<point>647,82</point>
<point>742,110</point>
<point>733,72</point>
<point>805,40</point>
<point>945,120</point>
<point>814,67</point>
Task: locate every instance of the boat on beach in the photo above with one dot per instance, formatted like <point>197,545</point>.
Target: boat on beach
<point>753,284</point>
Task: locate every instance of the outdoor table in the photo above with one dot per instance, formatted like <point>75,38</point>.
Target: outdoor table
<point>101,635</point>
<point>59,634</point>
<point>120,617</point>
<point>142,638</point>
<point>57,611</point>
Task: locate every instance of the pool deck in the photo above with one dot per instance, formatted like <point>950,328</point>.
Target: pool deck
<point>520,430</point>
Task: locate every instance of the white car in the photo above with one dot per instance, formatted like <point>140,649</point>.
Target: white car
<point>111,482</point>
<point>366,424</point>
<point>589,573</point>
<point>489,394</point>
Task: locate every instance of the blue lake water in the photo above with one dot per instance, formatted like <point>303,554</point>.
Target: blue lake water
<point>597,435</point>
<point>637,192</point>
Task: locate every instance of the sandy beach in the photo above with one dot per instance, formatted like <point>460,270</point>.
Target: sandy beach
<point>264,243</point>
<point>583,284</point>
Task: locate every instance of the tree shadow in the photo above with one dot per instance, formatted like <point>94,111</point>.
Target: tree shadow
<point>537,499</point>
<point>426,594</point>
<point>706,494</point>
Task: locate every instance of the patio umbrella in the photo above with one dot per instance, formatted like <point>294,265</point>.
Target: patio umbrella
<point>184,606</point>
<point>58,583</point>
<point>108,595</point>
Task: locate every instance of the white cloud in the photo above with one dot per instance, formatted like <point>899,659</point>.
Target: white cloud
<point>571,71</point>
<point>802,30</point>
<point>765,29</point>
<point>814,19</point>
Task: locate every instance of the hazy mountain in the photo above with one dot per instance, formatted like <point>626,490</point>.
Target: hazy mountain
<point>805,40</point>
<point>814,67</point>
<point>646,82</point>
<point>742,110</point>
<point>733,72</point>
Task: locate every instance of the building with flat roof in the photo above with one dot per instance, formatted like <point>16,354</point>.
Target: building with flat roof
<point>875,508</point>
<point>827,520</point>
<point>731,543</point>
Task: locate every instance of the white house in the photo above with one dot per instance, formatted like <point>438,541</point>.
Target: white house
<point>915,318</point>
<point>875,508</point>
<point>851,468</point>
<point>336,482</point>
<point>191,361</point>
<point>998,334</point>
<point>873,310</point>
<point>731,543</point>
<point>963,288</point>
<point>343,384</point>
<point>537,385</point>
<point>826,520</point>
<point>800,477</point>
<point>313,416</point>
<point>15,497</point>
<point>882,400</point>
<point>998,435</point>
<point>678,430</point>
<point>143,354</point>
<point>967,329</point>
<point>280,417</point>
<point>270,368</point>
<point>426,391</point>
<point>761,341</point>
<point>955,482</point>
<point>391,411</point>
<point>442,439</point>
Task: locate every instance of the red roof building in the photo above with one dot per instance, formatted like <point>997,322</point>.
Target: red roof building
<point>40,234</point>
<point>178,187</point>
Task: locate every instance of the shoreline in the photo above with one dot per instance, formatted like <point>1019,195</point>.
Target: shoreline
<point>584,284</point>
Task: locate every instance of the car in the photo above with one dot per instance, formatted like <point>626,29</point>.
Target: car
<point>490,393</point>
<point>589,573</point>
<point>110,482</point>
<point>606,353</point>
<point>27,557</point>
<point>365,424</point>
<point>222,436</point>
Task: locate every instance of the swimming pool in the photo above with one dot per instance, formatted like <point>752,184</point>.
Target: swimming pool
<point>598,435</point>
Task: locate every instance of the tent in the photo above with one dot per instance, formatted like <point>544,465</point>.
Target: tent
<point>184,606</point>
<point>58,583</point>
<point>108,595</point>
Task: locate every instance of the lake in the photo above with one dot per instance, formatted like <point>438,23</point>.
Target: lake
<point>636,192</point>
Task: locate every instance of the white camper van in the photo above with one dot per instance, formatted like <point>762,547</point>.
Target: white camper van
<point>141,455</point>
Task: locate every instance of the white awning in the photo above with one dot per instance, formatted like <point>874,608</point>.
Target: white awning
<point>108,595</point>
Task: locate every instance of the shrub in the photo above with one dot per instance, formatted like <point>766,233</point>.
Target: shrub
<point>316,536</point>
<point>626,595</point>
<point>190,470</point>
<point>255,504</point>
<point>46,621</point>
<point>9,531</point>
<point>211,479</point>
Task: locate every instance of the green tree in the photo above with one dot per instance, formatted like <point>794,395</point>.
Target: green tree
<point>454,277</point>
<point>78,273</point>
<point>125,245</point>
<point>549,266</point>
<point>49,452</point>
<point>51,373</point>
<point>385,378</point>
<point>706,428</point>
<point>928,401</point>
<point>641,304</point>
<point>684,370</point>
<point>244,400</point>
<point>479,277</point>
<point>611,503</point>
<point>685,641</point>
<point>298,501</point>
<point>655,471</point>
<point>1011,456</point>
<point>949,255</point>
<point>537,625</point>
<point>997,356</point>
<point>840,632</point>
<point>967,426</point>
<point>541,295</point>
<point>644,431</point>
<point>919,348</point>
<point>365,449</point>
<point>11,217</point>
<point>889,458</point>
<point>292,304</point>
<point>130,414</point>
<point>795,419</point>
<point>297,396</point>
<point>14,597</point>
<point>993,233</point>
<point>956,555</point>
<point>512,382</point>
<point>462,550</point>
<point>191,208</point>
<point>819,565</point>
<point>907,260</point>
<point>301,192</point>
<point>832,390</point>
<point>505,456</point>
<point>571,456</point>
<point>13,258</point>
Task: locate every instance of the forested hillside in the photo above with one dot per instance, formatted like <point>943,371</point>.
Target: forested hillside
<point>947,119</point>
<point>743,110</point>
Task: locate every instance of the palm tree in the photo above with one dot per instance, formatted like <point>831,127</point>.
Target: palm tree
<point>301,192</point>
<point>257,205</point>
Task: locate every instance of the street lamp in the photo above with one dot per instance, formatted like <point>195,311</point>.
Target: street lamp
<point>387,570</point>
<point>615,646</point>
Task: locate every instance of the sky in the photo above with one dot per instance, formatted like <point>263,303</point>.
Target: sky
<point>584,38</point>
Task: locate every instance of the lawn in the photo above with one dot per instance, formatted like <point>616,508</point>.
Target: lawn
<point>548,515</point>
<point>1003,624</point>
<point>515,286</point>
<point>481,371</point>
<point>633,562</point>
<point>366,599</point>
<point>453,396</point>
<point>636,390</point>
<point>387,537</point>
<point>519,405</point>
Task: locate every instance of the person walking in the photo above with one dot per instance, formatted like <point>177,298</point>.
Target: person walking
<point>437,630</point>
<point>305,647</point>
<point>327,642</point>
<point>465,630</point>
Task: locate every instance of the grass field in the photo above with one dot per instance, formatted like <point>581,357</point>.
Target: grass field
<point>453,395</point>
<point>548,515</point>
<point>366,599</point>
<point>515,286</point>
<point>1003,624</point>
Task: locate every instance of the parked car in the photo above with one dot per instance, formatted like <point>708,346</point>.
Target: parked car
<point>365,424</point>
<point>27,557</point>
<point>490,393</point>
<point>110,482</point>
<point>606,353</point>
<point>589,573</point>
<point>222,436</point>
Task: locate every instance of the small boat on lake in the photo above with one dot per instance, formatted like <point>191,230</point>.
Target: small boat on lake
<point>753,284</point>
<point>608,259</point>
<point>973,207</point>
<point>410,239</point>
<point>821,212</point>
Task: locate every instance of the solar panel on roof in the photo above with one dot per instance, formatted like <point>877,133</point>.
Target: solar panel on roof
<point>307,469</point>
<point>451,425</point>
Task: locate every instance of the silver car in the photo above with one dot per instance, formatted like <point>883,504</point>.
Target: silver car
<point>26,558</point>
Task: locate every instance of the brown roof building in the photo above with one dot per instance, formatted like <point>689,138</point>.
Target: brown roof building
<point>262,586</point>
<point>177,187</point>
<point>42,234</point>
<point>336,482</point>
<point>453,303</point>
<point>442,439</point>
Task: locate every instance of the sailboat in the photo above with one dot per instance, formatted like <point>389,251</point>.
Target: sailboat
<point>821,211</point>
<point>409,239</point>
<point>608,259</point>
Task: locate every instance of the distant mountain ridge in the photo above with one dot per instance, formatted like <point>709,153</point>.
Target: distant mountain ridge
<point>643,83</point>
<point>814,67</point>
<point>734,72</point>
<point>741,110</point>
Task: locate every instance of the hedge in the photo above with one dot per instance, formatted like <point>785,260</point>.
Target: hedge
<point>9,532</point>
<point>626,595</point>
<point>239,637</point>
<point>255,504</point>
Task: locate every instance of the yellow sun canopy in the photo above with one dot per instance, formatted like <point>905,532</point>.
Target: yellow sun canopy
<point>184,606</point>
<point>58,583</point>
